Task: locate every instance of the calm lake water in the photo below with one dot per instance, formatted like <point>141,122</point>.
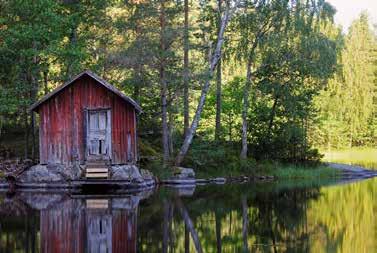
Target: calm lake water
<point>216,218</point>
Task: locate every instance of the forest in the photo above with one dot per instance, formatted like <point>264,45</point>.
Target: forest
<point>221,82</point>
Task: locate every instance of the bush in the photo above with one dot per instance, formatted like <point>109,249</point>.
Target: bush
<point>210,158</point>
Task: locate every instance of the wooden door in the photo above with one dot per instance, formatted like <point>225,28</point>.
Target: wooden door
<point>99,231</point>
<point>98,135</point>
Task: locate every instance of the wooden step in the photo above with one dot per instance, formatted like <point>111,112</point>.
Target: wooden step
<point>97,203</point>
<point>96,164</point>
<point>96,170</point>
<point>97,175</point>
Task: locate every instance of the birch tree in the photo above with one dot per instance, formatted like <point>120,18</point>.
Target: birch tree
<point>231,7</point>
<point>256,20</point>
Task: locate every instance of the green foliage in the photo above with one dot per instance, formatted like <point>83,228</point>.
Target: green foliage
<point>347,105</point>
<point>231,108</point>
<point>310,85</point>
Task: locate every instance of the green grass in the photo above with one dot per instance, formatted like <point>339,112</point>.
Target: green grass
<point>278,170</point>
<point>303,172</point>
<point>365,157</point>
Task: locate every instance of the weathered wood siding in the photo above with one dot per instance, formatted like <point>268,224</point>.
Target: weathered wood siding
<point>62,123</point>
<point>62,229</point>
<point>72,227</point>
<point>124,231</point>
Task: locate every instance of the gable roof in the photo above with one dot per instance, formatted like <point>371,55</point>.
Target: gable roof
<point>95,77</point>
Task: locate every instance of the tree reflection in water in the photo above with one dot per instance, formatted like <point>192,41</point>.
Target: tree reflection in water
<point>235,219</point>
<point>227,218</point>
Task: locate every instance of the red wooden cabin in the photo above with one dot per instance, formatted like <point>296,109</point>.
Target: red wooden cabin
<point>87,119</point>
<point>73,227</point>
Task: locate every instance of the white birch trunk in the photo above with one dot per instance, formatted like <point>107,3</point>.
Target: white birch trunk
<point>214,61</point>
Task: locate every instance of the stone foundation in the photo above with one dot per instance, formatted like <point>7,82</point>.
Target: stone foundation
<point>60,176</point>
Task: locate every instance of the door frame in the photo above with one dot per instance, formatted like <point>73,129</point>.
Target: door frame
<point>108,130</point>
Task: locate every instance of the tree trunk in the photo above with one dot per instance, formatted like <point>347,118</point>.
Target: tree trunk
<point>164,116</point>
<point>136,93</point>
<point>246,91</point>
<point>186,112</point>
<point>245,224</point>
<point>165,228</point>
<point>218,84</point>
<point>245,108</point>
<point>138,84</point>
<point>171,126</point>
<point>214,61</point>
<point>45,82</point>
<point>33,96</point>
<point>171,235</point>
<point>187,239</point>
<point>218,102</point>
<point>272,115</point>
<point>218,232</point>
<point>72,41</point>
<point>33,147</point>
<point>190,226</point>
<point>26,136</point>
<point>230,128</point>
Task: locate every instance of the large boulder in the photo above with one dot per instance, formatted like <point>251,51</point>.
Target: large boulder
<point>126,172</point>
<point>41,174</point>
<point>183,173</point>
<point>67,172</point>
<point>41,201</point>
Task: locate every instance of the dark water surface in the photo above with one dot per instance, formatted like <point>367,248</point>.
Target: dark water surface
<point>216,218</point>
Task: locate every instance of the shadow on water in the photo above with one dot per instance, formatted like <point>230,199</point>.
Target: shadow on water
<point>212,218</point>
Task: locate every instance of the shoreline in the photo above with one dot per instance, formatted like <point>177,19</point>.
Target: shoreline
<point>352,171</point>
<point>326,170</point>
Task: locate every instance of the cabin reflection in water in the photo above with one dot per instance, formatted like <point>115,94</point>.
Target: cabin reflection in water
<point>91,225</point>
<point>68,224</point>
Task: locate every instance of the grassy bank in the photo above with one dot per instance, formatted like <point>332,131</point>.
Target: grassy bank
<point>365,157</point>
<point>290,171</point>
<point>278,170</point>
<point>210,160</point>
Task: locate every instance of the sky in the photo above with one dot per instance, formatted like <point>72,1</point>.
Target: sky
<point>348,10</point>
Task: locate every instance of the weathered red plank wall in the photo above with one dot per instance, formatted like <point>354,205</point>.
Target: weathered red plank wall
<point>62,128</point>
<point>62,229</point>
<point>70,228</point>
<point>124,233</point>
